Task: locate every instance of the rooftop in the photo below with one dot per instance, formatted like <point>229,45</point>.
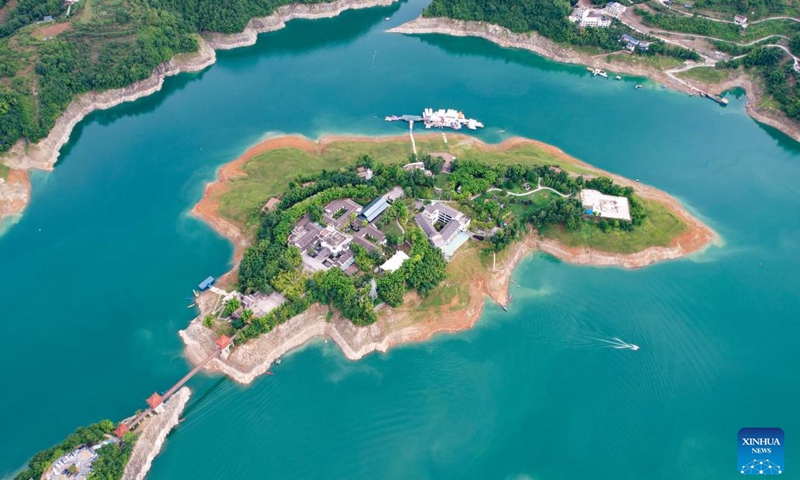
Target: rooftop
<point>154,400</point>
<point>395,262</point>
<point>605,206</point>
<point>375,208</point>
<point>223,341</point>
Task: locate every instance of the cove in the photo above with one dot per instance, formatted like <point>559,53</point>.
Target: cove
<point>95,274</point>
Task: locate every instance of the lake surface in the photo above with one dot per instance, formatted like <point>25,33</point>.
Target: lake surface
<point>94,280</point>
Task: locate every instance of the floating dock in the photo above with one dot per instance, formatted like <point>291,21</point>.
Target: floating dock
<point>442,118</point>
<point>206,283</point>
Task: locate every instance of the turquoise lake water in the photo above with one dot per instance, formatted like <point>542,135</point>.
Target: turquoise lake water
<point>94,279</point>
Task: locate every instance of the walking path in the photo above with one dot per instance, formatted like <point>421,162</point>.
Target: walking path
<point>720,20</point>
<point>538,188</point>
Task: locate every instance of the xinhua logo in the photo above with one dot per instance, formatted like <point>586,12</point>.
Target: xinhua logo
<point>760,451</point>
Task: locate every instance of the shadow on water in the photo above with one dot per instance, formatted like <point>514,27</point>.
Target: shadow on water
<point>141,106</point>
<point>481,48</point>
<point>299,37</point>
<point>302,36</point>
<point>784,141</point>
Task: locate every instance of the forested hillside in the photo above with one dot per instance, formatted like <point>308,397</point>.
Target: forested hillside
<point>771,65</point>
<point>102,44</point>
<point>547,17</point>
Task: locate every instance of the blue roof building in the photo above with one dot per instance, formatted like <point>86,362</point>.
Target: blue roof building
<point>206,283</point>
<point>375,208</point>
<point>630,40</point>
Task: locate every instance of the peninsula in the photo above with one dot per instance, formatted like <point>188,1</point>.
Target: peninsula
<point>360,240</point>
<point>702,49</point>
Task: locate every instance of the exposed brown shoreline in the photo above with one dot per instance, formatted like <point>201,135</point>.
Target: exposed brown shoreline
<point>397,326</point>
<point>549,49</point>
<point>43,155</point>
<point>15,193</point>
<point>153,434</point>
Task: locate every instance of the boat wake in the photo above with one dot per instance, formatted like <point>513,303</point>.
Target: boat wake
<point>618,344</point>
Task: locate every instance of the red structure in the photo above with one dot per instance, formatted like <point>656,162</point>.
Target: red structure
<point>121,430</point>
<point>223,341</point>
<point>155,400</point>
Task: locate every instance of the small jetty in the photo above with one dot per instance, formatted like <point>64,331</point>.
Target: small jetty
<point>597,71</point>
<point>718,99</point>
<point>442,118</point>
<point>206,283</point>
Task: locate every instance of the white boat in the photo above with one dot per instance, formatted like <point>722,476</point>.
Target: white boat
<point>448,118</point>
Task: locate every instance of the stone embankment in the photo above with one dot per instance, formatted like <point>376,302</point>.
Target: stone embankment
<point>547,48</point>
<point>152,435</point>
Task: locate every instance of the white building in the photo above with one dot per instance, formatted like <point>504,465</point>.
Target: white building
<point>615,9</point>
<point>395,262</point>
<point>605,206</point>
<point>590,17</point>
<point>740,20</point>
<point>452,227</point>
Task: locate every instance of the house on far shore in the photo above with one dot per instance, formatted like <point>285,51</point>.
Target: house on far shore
<point>740,20</point>
<point>452,232</point>
<point>615,9</point>
<point>605,206</point>
<point>589,17</point>
<point>364,173</point>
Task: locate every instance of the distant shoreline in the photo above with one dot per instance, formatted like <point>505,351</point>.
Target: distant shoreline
<point>396,326</point>
<point>547,48</point>
<point>24,156</point>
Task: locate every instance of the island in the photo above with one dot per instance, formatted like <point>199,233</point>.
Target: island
<point>376,242</point>
<point>703,48</point>
<point>361,240</point>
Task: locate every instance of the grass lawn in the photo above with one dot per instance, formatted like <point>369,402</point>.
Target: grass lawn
<point>4,171</point>
<point>525,154</point>
<point>768,101</point>
<point>453,293</point>
<point>706,74</point>
<point>657,61</point>
<point>86,15</point>
<point>660,227</point>
<point>270,173</point>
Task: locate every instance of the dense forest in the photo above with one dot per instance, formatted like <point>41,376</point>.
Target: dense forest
<point>547,17</point>
<point>107,44</point>
<point>111,460</point>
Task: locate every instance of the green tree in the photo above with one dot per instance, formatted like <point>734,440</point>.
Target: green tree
<point>231,306</point>
<point>392,288</point>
